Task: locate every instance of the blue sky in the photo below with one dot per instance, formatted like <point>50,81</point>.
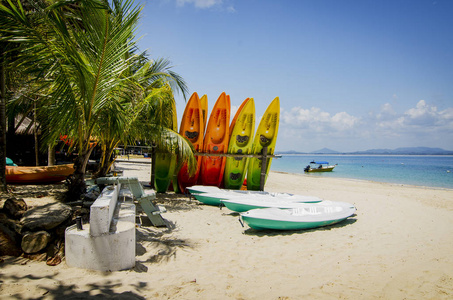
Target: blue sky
<point>351,75</point>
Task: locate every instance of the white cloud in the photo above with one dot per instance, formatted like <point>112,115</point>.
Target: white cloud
<point>317,120</point>
<point>386,112</point>
<point>423,117</point>
<point>231,9</point>
<point>200,3</point>
<point>422,125</point>
<point>422,114</point>
<point>221,5</point>
<point>446,116</point>
<point>343,121</point>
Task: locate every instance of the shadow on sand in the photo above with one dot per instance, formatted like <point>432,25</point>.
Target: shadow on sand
<point>58,289</point>
<point>177,202</point>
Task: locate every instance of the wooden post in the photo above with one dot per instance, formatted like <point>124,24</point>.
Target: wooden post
<point>263,168</point>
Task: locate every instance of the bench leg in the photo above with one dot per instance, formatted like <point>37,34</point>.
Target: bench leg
<point>151,211</point>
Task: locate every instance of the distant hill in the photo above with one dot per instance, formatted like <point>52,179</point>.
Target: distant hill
<point>397,151</point>
<point>407,151</point>
<point>289,152</point>
<point>374,151</point>
<point>325,151</point>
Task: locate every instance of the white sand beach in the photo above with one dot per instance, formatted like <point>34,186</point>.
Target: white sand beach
<point>398,246</point>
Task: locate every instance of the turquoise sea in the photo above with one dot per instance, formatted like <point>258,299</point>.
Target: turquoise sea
<point>419,170</point>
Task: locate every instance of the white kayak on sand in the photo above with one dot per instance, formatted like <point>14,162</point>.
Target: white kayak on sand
<point>308,216</point>
<point>199,189</point>
<point>247,203</point>
<point>202,189</point>
<point>219,198</point>
<point>215,196</point>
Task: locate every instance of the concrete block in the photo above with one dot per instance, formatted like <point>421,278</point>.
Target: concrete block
<point>107,243</point>
<point>109,252</point>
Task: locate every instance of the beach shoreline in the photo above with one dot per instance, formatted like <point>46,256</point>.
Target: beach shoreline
<point>398,245</point>
<point>370,181</point>
<point>147,161</point>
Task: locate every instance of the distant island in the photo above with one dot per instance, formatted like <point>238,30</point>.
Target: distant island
<point>397,151</point>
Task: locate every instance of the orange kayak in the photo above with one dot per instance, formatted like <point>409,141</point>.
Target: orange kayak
<point>39,174</point>
<point>192,129</point>
<point>216,141</point>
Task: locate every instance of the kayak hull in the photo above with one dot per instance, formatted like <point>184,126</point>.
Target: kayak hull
<point>38,175</point>
<point>240,201</point>
<point>165,164</point>
<point>207,199</point>
<point>216,141</point>
<point>192,128</point>
<point>242,128</point>
<point>263,224</point>
<point>310,216</point>
<point>165,168</point>
<point>266,136</point>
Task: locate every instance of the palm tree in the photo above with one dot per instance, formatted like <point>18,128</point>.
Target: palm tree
<point>148,116</point>
<point>83,52</point>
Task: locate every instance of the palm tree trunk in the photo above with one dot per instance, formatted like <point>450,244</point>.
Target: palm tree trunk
<point>105,162</point>
<point>153,167</point>
<point>35,133</point>
<point>51,155</point>
<point>77,184</point>
<point>3,187</point>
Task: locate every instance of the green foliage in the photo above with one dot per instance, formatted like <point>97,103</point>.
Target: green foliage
<point>93,84</point>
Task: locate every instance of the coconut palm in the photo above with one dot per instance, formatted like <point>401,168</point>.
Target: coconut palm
<point>83,51</point>
<point>149,111</point>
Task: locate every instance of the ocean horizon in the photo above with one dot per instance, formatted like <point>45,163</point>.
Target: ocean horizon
<point>418,170</point>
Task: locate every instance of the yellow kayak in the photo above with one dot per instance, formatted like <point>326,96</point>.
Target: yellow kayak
<point>266,136</point>
<point>241,139</point>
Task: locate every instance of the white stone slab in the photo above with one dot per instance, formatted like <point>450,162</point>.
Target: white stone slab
<point>101,211</point>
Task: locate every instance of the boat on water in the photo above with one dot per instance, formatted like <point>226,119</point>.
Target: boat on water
<point>38,174</point>
<point>305,217</point>
<point>319,166</point>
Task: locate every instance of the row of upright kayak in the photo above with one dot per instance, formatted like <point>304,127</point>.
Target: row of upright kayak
<point>279,211</point>
<point>212,136</point>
